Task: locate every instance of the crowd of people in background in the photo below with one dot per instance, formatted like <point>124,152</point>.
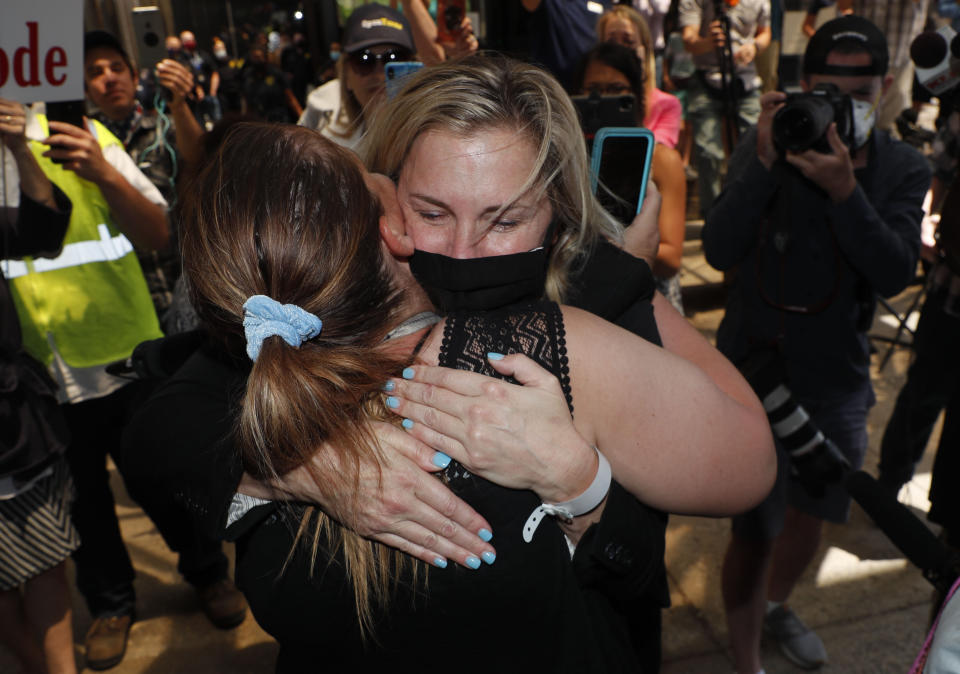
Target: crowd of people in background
<point>101,216</point>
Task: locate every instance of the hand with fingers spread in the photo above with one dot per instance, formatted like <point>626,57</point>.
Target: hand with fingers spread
<point>833,172</point>
<point>398,502</point>
<point>516,436</point>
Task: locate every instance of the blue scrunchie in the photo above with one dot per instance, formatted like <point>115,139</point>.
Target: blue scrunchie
<point>265,317</point>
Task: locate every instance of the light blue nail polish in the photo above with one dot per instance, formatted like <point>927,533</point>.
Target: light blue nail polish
<point>485,535</point>
<point>489,557</point>
<point>473,562</point>
<point>493,355</point>
<point>407,423</point>
<point>441,460</point>
<point>440,562</point>
<point>390,386</point>
<point>408,373</point>
<point>393,403</point>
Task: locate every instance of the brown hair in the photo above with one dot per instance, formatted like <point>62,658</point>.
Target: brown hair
<point>283,212</point>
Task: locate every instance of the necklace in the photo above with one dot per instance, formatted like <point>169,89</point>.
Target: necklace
<point>413,324</point>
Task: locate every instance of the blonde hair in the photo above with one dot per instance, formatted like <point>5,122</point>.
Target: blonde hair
<point>486,91</point>
<point>643,34</point>
<point>304,232</point>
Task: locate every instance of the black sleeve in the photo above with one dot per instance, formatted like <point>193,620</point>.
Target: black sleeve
<point>38,229</point>
<point>182,437</point>
<point>621,556</point>
<point>617,287</point>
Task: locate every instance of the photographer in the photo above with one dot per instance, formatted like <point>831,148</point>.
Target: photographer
<point>724,37</point>
<point>813,234</point>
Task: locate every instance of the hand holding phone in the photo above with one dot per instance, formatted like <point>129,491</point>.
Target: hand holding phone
<point>68,112</point>
<point>620,169</point>
<point>450,15</point>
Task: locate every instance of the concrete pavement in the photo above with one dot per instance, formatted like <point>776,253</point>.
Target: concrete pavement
<point>866,602</point>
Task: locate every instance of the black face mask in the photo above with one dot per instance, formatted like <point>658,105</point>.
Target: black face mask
<point>482,283</point>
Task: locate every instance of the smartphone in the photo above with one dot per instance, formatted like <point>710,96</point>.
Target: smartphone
<point>69,112</point>
<point>150,35</point>
<point>598,111</point>
<point>620,168</point>
<point>396,73</point>
<point>450,15</point>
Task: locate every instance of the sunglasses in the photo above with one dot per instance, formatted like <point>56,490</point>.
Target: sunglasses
<point>366,61</point>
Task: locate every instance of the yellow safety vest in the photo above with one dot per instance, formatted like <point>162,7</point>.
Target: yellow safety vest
<point>92,298</point>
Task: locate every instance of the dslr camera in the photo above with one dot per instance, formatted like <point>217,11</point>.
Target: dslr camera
<point>802,123</point>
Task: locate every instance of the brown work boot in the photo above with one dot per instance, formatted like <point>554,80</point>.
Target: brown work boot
<point>223,603</point>
<point>106,641</point>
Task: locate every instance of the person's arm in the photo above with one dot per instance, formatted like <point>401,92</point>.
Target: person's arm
<point>179,81</point>
<point>674,439</point>
<point>403,504</point>
<point>731,228</point>
<point>214,81</point>
<point>143,221</point>
<point>698,44</point>
<point>809,25</point>
<point>292,102</point>
<point>747,52</point>
<point>33,181</point>
<point>37,225</point>
<point>671,182</point>
<point>424,31</point>
<point>465,44</point>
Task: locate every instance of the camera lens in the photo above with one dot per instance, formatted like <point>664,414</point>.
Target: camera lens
<point>801,123</point>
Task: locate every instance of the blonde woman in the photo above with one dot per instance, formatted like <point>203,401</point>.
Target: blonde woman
<point>623,25</point>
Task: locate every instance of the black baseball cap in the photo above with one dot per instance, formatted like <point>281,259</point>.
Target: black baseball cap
<point>101,38</point>
<point>373,24</point>
<point>845,32</point>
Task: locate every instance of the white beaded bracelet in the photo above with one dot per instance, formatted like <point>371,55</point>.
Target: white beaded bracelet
<point>581,505</point>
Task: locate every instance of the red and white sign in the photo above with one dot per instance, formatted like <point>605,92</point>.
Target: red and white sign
<point>41,50</point>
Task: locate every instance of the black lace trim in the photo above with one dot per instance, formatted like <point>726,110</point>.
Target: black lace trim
<point>535,329</point>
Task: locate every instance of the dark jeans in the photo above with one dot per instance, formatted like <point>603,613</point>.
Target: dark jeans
<point>932,381</point>
<point>104,571</point>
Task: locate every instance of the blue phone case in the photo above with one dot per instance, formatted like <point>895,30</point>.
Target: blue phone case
<point>396,74</point>
<point>604,135</point>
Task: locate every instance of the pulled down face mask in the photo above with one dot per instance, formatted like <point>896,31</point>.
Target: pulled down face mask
<point>482,283</point>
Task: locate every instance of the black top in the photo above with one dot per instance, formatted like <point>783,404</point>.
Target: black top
<point>529,611</point>
<point>189,421</point>
<point>795,248</point>
<point>33,432</point>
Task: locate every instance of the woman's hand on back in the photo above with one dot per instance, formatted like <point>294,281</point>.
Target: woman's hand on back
<point>517,436</point>
<point>400,504</point>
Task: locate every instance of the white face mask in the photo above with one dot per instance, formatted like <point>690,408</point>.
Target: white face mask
<point>864,119</point>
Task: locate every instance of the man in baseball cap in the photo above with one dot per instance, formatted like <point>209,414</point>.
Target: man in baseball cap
<point>817,234</point>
